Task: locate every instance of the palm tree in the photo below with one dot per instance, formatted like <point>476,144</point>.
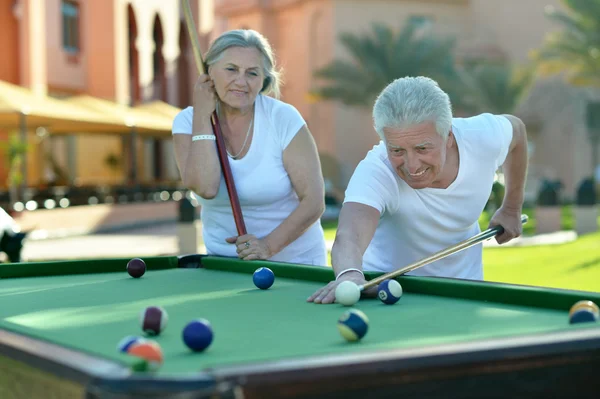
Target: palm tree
<point>575,51</point>
<point>493,86</point>
<point>381,57</point>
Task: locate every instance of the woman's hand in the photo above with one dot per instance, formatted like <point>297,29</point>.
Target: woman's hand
<point>204,96</point>
<point>249,247</point>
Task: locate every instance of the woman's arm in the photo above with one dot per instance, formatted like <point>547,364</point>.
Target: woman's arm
<point>302,163</point>
<point>198,161</point>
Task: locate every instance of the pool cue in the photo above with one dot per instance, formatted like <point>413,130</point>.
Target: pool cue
<point>476,239</point>
<point>231,190</point>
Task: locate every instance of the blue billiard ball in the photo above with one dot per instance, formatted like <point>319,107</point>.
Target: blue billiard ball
<point>198,335</point>
<point>263,278</point>
<point>389,291</point>
<point>353,325</point>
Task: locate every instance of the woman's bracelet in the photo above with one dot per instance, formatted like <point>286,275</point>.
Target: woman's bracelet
<point>349,270</point>
<point>204,137</point>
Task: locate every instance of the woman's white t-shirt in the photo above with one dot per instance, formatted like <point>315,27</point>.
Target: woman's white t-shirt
<point>416,223</point>
<point>263,186</point>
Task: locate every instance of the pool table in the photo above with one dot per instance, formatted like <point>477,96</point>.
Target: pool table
<point>61,322</point>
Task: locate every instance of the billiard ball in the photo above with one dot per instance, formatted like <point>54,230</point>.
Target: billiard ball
<point>148,350</point>
<point>583,316</point>
<point>263,278</point>
<point>389,291</point>
<point>198,335</point>
<point>585,304</point>
<point>128,342</point>
<point>153,320</point>
<point>347,293</point>
<point>353,325</point>
<point>584,311</point>
<point>136,267</point>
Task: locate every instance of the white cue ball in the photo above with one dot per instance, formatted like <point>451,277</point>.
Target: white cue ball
<point>347,293</point>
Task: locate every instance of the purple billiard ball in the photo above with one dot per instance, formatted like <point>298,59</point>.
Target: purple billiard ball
<point>153,320</point>
<point>136,267</point>
<point>198,335</point>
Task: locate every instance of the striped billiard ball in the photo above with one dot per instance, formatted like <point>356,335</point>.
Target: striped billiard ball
<point>389,291</point>
<point>128,342</point>
<point>353,325</point>
<point>584,311</point>
<point>153,320</point>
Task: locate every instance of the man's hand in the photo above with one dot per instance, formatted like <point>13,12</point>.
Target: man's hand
<point>510,220</point>
<point>327,294</point>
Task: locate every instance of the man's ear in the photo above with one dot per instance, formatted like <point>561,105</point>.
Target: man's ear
<point>450,140</point>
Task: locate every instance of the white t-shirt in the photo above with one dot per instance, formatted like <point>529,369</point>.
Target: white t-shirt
<point>416,223</point>
<point>263,186</point>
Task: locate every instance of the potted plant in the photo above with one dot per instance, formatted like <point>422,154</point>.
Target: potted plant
<point>548,210</point>
<point>586,209</point>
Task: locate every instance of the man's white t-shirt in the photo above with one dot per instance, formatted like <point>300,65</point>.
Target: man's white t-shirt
<point>263,186</point>
<point>416,223</point>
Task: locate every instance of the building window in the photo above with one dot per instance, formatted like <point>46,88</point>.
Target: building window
<point>70,24</point>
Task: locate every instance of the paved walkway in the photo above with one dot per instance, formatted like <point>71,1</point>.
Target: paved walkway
<point>140,230</point>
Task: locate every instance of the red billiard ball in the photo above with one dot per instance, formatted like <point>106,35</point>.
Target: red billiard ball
<point>136,267</point>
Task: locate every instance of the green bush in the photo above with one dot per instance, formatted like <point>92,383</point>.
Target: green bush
<point>497,195</point>
<point>586,193</point>
<point>549,193</point>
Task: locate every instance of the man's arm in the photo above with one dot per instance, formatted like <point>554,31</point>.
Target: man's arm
<point>357,224</point>
<point>515,172</point>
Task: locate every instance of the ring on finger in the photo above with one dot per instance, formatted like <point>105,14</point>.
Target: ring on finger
<point>247,244</point>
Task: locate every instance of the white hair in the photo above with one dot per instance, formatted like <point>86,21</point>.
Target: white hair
<point>249,38</point>
<point>411,101</point>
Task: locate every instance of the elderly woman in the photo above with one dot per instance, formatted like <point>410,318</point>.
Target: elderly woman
<point>273,157</point>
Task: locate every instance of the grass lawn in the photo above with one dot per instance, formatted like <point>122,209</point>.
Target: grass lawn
<point>574,265</point>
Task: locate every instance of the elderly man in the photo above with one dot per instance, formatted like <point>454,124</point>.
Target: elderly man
<point>424,186</point>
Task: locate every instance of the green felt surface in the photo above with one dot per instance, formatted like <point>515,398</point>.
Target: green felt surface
<point>93,312</point>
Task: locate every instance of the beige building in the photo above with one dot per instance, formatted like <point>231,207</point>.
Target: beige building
<point>108,56</point>
<point>304,34</point>
<point>133,52</point>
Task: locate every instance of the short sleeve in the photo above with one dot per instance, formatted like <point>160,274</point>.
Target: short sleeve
<point>373,184</point>
<point>182,123</point>
<point>504,130</point>
<point>287,122</point>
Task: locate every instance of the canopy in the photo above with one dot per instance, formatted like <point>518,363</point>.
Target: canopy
<point>143,120</point>
<point>20,106</point>
<point>161,108</point>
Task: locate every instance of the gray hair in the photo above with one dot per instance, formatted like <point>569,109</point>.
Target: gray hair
<point>248,38</point>
<point>410,101</point>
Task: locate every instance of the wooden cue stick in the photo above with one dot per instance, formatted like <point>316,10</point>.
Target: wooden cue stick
<point>484,235</point>
<point>231,190</point>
